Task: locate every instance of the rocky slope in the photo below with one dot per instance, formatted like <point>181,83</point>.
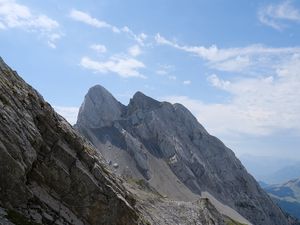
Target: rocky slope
<point>287,196</point>
<point>165,146</point>
<point>49,174</point>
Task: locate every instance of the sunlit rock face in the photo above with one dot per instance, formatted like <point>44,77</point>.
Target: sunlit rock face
<point>166,146</point>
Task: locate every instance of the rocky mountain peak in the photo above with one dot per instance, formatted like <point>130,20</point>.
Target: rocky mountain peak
<point>140,101</point>
<point>164,145</point>
<point>99,108</point>
<point>293,182</point>
<point>99,91</point>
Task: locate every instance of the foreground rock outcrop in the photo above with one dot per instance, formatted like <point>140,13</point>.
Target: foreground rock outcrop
<point>48,173</point>
<point>164,145</point>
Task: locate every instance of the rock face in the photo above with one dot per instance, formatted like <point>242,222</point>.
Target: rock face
<point>48,173</point>
<point>97,98</point>
<point>164,145</point>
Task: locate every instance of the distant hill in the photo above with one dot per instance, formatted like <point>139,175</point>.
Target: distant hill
<point>287,195</point>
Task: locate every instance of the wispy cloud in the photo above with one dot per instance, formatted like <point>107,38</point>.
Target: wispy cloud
<point>69,113</point>
<point>256,106</point>
<point>235,64</point>
<point>139,38</point>
<point>167,71</point>
<point>134,50</point>
<point>164,70</point>
<point>186,82</point>
<point>18,16</point>
<point>121,64</point>
<point>247,59</point>
<point>217,82</point>
<point>86,18</point>
<point>98,48</point>
<point>53,38</point>
<point>125,67</point>
<point>276,15</point>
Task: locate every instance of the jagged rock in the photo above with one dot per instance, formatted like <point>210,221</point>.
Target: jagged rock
<point>164,145</point>
<point>100,116</point>
<point>49,173</point>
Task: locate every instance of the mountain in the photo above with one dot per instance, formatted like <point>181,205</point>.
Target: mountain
<point>287,196</point>
<point>271,170</point>
<point>163,146</point>
<point>48,173</point>
<point>51,175</point>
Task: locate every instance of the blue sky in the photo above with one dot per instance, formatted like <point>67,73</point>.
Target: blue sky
<point>235,64</point>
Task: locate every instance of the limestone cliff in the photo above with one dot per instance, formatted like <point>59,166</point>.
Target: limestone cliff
<point>164,145</point>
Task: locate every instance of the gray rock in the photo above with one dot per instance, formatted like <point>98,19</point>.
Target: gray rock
<point>50,174</point>
<point>99,116</point>
<point>166,146</point>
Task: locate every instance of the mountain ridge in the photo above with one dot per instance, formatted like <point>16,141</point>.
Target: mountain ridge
<point>287,196</point>
<point>165,145</point>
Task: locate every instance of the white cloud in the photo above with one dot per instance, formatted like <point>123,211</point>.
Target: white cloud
<point>89,20</point>
<point>69,113</point>
<point>134,50</point>
<point>123,66</point>
<point>98,48</point>
<point>187,82</point>
<point>275,15</point>
<point>139,38</point>
<point>256,106</point>
<point>53,38</point>
<point>217,82</point>
<point>14,15</point>
<point>86,18</point>
<point>251,58</point>
<point>236,64</point>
